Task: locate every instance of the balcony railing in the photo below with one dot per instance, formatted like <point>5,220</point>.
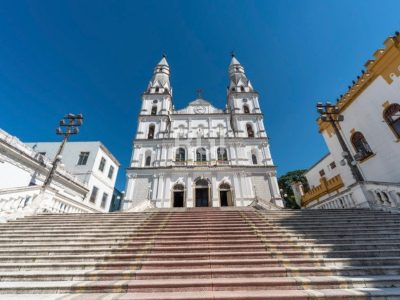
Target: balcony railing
<point>208,163</point>
<point>19,202</point>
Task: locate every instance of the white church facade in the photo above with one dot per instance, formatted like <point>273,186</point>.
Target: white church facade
<point>200,156</point>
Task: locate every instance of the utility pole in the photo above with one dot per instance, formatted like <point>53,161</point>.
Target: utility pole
<point>68,126</point>
<point>331,114</point>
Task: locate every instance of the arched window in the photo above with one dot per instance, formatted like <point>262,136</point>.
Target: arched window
<point>360,145</point>
<point>254,159</point>
<point>148,161</point>
<point>150,136</point>
<point>250,132</point>
<point>242,88</point>
<point>246,109</point>
<point>180,155</point>
<point>392,117</point>
<point>201,155</point>
<point>157,89</point>
<point>154,110</point>
<point>222,154</point>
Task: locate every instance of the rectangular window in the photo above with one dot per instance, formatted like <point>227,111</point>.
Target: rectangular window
<point>102,164</point>
<point>83,158</point>
<point>111,172</point>
<point>104,200</point>
<point>332,165</point>
<point>322,173</point>
<point>93,195</point>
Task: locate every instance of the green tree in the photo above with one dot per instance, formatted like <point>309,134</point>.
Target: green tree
<point>285,182</point>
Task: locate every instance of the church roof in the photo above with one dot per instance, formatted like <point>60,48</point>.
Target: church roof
<point>234,61</point>
<point>163,62</point>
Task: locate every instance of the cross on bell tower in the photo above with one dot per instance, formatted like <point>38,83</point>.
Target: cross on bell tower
<point>199,93</point>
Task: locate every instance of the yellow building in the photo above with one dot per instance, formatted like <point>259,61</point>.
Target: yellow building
<point>371,131</point>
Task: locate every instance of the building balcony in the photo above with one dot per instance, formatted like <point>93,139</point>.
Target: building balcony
<point>208,163</point>
<point>326,186</point>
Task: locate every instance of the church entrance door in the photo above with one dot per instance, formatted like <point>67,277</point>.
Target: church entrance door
<point>178,199</point>
<point>202,193</point>
<point>178,195</point>
<point>201,197</point>
<point>224,198</point>
<point>225,195</point>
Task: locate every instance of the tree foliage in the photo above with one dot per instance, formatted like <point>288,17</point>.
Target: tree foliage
<point>285,182</point>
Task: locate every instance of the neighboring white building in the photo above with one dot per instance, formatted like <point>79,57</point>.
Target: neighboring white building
<point>325,167</point>
<point>91,163</point>
<point>371,129</point>
<point>22,173</point>
<point>200,155</point>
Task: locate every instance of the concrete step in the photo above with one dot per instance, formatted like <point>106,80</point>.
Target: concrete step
<point>329,294</point>
<point>86,275</point>
<point>193,230</point>
<point>195,264</point>
<point>200,284</point>
<point>107,248</point>
<point>128,241</point>
<point>388,231</point>
<point>205,255</point>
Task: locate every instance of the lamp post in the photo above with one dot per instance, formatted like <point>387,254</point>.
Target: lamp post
<point>331,114</point>
<point>68,126</point>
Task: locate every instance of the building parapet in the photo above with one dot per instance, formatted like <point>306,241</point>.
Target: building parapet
<point>385,64</point>
<point>16,143</point>
<point>368,194</point>
<point>326,186</point>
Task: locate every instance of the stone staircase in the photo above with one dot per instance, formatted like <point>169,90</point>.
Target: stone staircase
<point>202,253</point>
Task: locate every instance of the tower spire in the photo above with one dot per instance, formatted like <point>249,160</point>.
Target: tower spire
<point>159,83</point>
<point>238,81</point>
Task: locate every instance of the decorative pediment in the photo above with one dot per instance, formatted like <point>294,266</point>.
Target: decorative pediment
<point>199,106</point>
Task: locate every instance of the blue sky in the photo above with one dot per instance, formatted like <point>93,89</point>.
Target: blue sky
<point>96,57</point>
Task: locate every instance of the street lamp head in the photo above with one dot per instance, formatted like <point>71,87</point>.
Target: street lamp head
<point>320,110</point>
<point>58,131</point>
<point>75,130</point>
<point>70,116</point>
<point>319,105</point>
<point>79,116</point>
<point>328,104</point>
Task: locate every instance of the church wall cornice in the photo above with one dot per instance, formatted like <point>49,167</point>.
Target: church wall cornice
<point>231,169</point>
<point>230,140</point>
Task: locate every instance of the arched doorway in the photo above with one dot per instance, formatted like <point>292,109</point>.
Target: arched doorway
<point>202,192</point>
<point>225,195</point>
<point>178,195</point>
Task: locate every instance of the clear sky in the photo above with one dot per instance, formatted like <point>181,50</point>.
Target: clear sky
<point>96,57</point>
